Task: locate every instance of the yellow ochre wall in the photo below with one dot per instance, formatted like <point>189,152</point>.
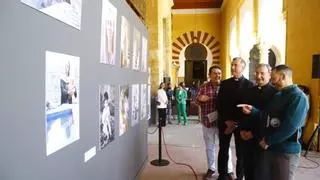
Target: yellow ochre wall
<point>303,40</point>
<point>184,23</point>
<point>229,9</point>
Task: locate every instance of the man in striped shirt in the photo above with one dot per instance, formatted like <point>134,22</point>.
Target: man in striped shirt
<point>206,98</point>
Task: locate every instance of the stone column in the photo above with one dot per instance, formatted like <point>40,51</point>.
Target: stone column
<point>153,29</point>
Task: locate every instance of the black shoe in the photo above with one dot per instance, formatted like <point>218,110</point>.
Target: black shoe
<point>209,174</point>
<point>232,176</point>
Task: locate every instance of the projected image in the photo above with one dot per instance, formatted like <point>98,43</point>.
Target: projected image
<point>144,54</point>
<point>67,11</point>
<point>107,114</point>
<point>143,101</point>
<point>136,49</point>
<point>62,100</point>
<point>125,39</point>
<point>108,33</point>
<point>135,105</point>
<point>123,109</point>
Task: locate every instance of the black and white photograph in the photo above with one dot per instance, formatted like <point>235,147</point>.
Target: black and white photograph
<point>135,105</point>
<point>123,109</point>
<point>143,96</point>
<point>67,11</point>
<point>136,52</point>
<point>107,98</point>
<point>62,100</point>
<point>125,43</point>
<point>144,54</point>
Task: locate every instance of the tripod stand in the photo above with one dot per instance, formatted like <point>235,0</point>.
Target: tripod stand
<point>317,130</point>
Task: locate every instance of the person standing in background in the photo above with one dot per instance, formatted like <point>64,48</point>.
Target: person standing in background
<point>169,92</point>
<point>162,101</point>
<point>181,103</point>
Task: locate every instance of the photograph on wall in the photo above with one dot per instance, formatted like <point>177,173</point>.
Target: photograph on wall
<point>67,11</point>
<point>108,33</point>
<point>135,105</point>
<point>123,109</point>
<point>107,95</point>
<point>143,101</point>
<point>149,102</point>
<point>149,75</point>
<point>136,49</point>
<point>62,100</point>
<point>144,54</point>
<point>125,41</point>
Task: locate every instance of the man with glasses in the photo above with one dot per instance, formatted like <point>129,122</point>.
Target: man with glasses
<point>251,130</point>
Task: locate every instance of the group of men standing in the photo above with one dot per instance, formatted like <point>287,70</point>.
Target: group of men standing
<point>265,119</point>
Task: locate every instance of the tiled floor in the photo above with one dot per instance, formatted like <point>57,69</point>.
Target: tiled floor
<point>185,145</point>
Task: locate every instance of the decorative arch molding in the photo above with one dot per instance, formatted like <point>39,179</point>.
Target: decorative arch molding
<point>279,56</point>
<point>204,38</point>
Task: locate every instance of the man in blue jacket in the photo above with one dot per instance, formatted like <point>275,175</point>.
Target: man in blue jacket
<point>284,117</point>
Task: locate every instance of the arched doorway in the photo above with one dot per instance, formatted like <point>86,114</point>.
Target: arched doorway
<point>195,63</point>
<point>272,59</point>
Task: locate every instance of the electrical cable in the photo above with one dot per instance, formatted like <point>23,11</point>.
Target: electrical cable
<point>313,161</point>
<point>178,163</point>
<point>310,167</point>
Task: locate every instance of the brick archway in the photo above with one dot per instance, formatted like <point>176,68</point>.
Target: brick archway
<point>203,38</point>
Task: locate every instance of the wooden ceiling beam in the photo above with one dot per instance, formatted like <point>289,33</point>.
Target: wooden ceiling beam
<point>197,4</point>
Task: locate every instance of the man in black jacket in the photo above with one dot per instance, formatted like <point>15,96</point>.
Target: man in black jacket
<point>232,92</point>
<point>251,130</point>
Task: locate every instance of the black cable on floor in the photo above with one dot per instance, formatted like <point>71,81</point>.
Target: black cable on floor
<point>310,167</point>
<point>182,164</point>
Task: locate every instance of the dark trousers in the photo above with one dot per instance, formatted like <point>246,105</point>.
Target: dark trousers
<point>223,156</point>
<point>162,116</point>
<point>253,161</point>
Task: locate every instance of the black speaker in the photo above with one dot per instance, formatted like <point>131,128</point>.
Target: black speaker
<point>316,66</point>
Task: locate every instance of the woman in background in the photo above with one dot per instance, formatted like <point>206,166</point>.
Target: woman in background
<point>162,102</point>
<point>181,103</point>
